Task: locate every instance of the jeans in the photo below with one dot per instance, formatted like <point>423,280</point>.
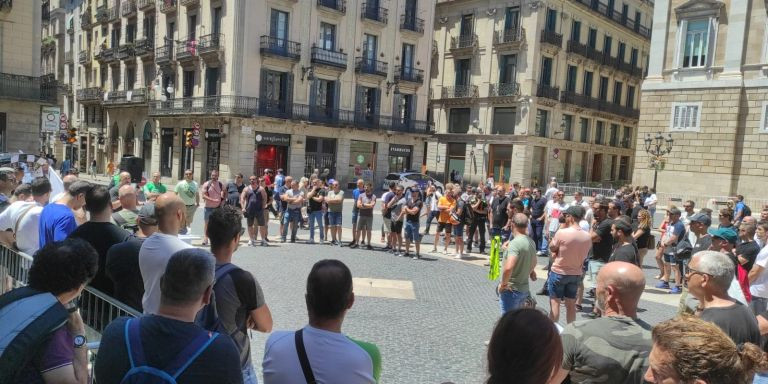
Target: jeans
<point>537,235</point>
<point>316,216</point>
<point>291,216</point>
<point>412,231</point>
<point>504,234</point>
<point>760,378</point>
<point>652,211</point>
<point>249,375</point>
<point>477,224</point>
<point>510,300</point>
<point>431,216</point>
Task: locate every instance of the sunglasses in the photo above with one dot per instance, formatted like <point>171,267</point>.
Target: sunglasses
<point>692,272</point>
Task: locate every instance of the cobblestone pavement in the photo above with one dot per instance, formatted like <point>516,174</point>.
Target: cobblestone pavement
<point>438,337</point>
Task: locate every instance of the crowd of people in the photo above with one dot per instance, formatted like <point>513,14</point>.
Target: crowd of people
<point>198,307</point>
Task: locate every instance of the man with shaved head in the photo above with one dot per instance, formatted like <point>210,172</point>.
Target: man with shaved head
<point>519,262</point>
<point>158,248</point>
<point>114,192</point>
<point>126,217</point>
<point>613,348</point>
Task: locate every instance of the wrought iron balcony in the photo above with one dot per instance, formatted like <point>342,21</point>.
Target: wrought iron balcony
<point>335,5</point>
<point>409,74</point>
<point>459,92</point>
<point>145,48</point>
<point>463,41</point>
<point>409,22</point>
<point>86,22</point>
<point>113,14</point>
<point>548,92</point>
<point>164,54</point>
<point>629,69</point>
<point>189,3</point>
<point>509,37</point>
<point>146,5</point>
<point>186,50</point>
<point>504,90</point>
<point>90,95</point>
<point>84,57</point>
<point>167,6</point>
<point>585,101</point>
<point>622,20</point>
<point>128,8</point>
<point>370,11</point>
<point>126,51</point>
<point>211,46</point>
<point>106,55</point>
<point>134,96</point>
<point>68,57</point>
<point>27,88</point>
<point>280,47</point>
<point>225,105</point>
<point>552,37</point>
<point>370,66</point>
<point>102,14</point>
<point>279,109</point>
<point>328,58</point>
<point>6,5</point>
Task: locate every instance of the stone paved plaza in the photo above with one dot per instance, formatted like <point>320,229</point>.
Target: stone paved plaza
<point>432,334</point>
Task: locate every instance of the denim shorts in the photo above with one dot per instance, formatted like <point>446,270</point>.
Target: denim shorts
<point>670,258</point>
<point>355,213</point>
<point>509,300</point>
<point>412,231</point>
<point>458,230</point>
<point>207,213</point>
<point>562,286</point>
<point>334,219</point>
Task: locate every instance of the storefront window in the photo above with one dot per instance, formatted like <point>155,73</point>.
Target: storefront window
<point>166,152</point>
<point>271,152</point>
<point>501,162</point>
<point>400,158</point>
<point>456,160</point>
<point>537,168</point>
<point>320,154</point>
<point>362,162</point>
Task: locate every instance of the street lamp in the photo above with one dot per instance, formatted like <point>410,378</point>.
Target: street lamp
<point>657,147</point>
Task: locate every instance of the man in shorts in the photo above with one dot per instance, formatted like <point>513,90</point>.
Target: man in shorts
<point>412,211</point>
<point>365,204</point>
<point>570,247</point>
<point>355,212</point>
<point>254,200</point>
<point>335,201</point>
<point>445,205</point>
<point>387,236</point>
<point>395,207</point>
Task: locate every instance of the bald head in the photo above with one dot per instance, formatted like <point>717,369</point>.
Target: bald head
<point>620,284</point>
<point>521,221</point>
<point>749,220</point>
<point>68,180</point>
<point>125,178</point>
<point>127,196</point>
<point>169,209</point>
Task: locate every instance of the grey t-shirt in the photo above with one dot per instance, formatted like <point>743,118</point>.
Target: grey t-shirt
<point>365,199</point>
<point>333,195</point>
<point>237,294</point>
<point>291,194</point>
<point>397,208</point>
<point>737,321</point>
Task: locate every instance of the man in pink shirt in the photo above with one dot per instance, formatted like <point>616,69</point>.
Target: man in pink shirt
<point>569,247</point>
<point>213,195</point>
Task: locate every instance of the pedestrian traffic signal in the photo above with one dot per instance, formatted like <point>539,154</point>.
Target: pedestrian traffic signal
<point>189,139</point>
<point>72,132</point>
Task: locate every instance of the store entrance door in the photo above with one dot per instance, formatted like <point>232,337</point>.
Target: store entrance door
<point>271,157</point>
<point>501,163</point>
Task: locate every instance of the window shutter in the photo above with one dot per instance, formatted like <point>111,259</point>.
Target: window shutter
<point>313,97</point>
<point>396,100</point>
<point>273,24</point>
<point>682,32</point>
<point>676,118</point>
<point>694,116</point>
<point>359,103</point>
<point>289,95</point>
<point>263,91</point>
<point>412,111</point>
<point>336,98</point>
<point>377,108</point>
<point>711,41</point>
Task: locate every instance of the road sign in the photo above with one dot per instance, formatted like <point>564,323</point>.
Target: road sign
<point>63,125</point>
<point>63,117</point>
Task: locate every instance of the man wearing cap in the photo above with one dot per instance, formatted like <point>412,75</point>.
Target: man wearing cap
<point>724,241</point>
<point>675,229</point>
<point>122,265</point>
<point>569,247</point>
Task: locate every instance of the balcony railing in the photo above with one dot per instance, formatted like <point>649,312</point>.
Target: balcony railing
<point>504,90</point>
<point>126,51</point>
<point>508,36</point>
<point>167,6</point>
<point>463,41</point>
<point>548,92</point>
<point>85,20</point>
<point>371,12</point>
<point>164,54</point>
<point>145,5</point>
<point>409,74</point>
<point>134,96</point>
<point>211,45</point>
<point>27,88</point>
<point>629,69</point>
<point>617,17</point>
<point>128,8</point>
<point>68,57</point>
<point>145,47</point>
<point>189,3</point>
<point>328,57</point>
<point>106,55</point>
<point>551,37</point>
<point>336,5</point>
<point>113,14</point>
<point>84,57</point>
<point>599,105</point>
<point>370,66</point>
<point>102,14</point>
<point>459,92</point>
<point>6,5</point>
<point>411,23</point>
<point>186,50</point>
<point>92,94</point>
<point>280,47</point>
<point>251,106</point>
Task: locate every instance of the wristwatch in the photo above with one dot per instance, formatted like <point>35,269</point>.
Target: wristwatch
<point>80,341</point>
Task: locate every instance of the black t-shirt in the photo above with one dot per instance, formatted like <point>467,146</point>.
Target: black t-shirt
<point>410,205</point>
<point>315,205</point>
<point>101,236</point>
<point>602,249</point>
<point>237,294</point>
<point>702,244</point>
<point>122,267</point>
<point>499,209</point>
<point>537,207</point>
<point>737,321</point>
<point>626,253</point>
<point>748,251</point>
<point>162,340</point>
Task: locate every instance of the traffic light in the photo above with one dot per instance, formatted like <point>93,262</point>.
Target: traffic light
<point>189,139</point>
<point>72,135</point>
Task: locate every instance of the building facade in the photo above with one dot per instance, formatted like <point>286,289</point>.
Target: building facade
<point>527,90</point>
<point>707,86</point>
<point>241,86</point>
<point>24,88</point>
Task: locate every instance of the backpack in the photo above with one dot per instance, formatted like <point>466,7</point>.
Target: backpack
<point>27,320</point>
<point>208,317</point>
<point>746,212</point>
<point>140,372</point>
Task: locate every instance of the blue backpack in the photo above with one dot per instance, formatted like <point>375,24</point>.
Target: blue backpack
<point>141,373</point>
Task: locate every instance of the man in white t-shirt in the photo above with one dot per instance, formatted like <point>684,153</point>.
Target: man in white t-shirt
<point>158,248</point>
<point>554,208</point>
<point>331,356</point>
<point>650,204</point>
<point>551,190</point>
<point>22,218</point>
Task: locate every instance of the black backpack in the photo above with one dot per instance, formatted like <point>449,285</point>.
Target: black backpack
<point>208,316</point>
<point>27,320</point>
<point>747,212</point>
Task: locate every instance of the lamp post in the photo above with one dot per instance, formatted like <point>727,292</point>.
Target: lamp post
<point>657,147</point>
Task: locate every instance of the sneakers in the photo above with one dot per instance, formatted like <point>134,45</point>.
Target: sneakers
<point>458,256</point>
<point>311,241</point>
<point>662,285</point>
<point>434,249</point>
<point>369,247</point>
<point>396,253</point>
<point>676,290</point>
<point>445,252</point>
<point>263,244</point>
<point>417,256</point>
<point>591,315</point>
<point>353,245</point>
<point>539,253</point>
<point>282,240</point>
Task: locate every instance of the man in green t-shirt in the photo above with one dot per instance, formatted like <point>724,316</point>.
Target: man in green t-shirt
<point>519,262</point>
<point>155,188</point>
<point>187,191</point>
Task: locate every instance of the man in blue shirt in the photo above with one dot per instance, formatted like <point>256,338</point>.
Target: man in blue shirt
<point>355,195</point>
<point>57,220</point>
